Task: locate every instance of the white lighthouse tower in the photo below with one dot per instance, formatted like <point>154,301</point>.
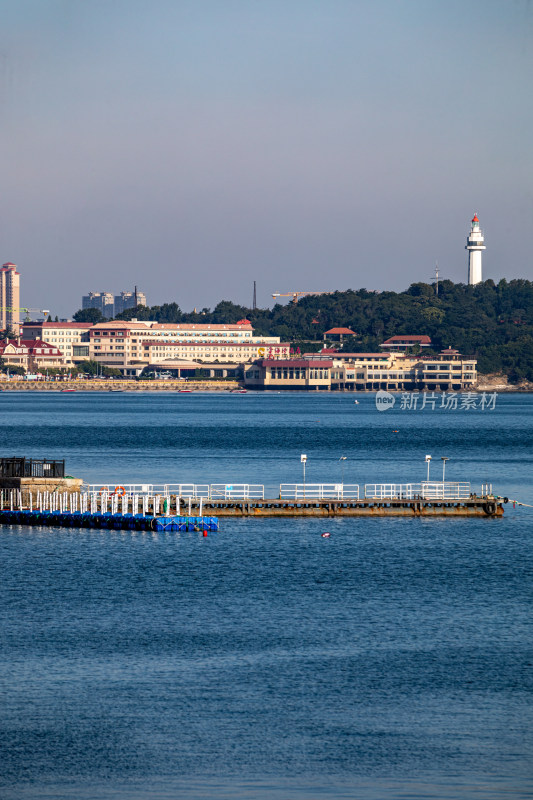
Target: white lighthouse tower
<point>475,243</point>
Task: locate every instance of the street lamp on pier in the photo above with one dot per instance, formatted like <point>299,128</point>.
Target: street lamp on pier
<point>428,462</point>
<point>444,459</point>
<point>303,459</point>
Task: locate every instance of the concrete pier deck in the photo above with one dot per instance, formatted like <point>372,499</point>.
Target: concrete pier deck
<point>472,507</point>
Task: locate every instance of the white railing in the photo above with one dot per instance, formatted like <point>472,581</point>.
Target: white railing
<point>215,491</point>
<point>193,490</point>
<point>236,491</point>
<point>319,491</point>
<point>425,490</point>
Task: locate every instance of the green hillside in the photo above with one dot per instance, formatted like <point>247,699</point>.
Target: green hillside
<point>493,322</point>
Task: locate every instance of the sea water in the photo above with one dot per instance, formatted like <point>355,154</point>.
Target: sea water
<point>393,659</point>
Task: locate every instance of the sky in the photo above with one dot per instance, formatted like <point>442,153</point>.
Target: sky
<point>191,147</point>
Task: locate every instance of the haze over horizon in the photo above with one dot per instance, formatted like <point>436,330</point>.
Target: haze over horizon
<point>192,148</point>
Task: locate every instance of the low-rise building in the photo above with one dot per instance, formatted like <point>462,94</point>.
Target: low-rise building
<point>72,338</point>
<point>404,341</point>
<point>301,373</point>
<point>338,334</point>
<point>31,354</point>
<point>448,371</point>
<point>368,372</point>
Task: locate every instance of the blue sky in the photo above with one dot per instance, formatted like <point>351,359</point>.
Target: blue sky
<point>192,147</point>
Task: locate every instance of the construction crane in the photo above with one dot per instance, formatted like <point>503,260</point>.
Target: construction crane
<point>296,295</point>
<point>44,311</point>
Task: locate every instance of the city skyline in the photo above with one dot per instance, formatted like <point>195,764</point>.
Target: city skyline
<point>305,146</point>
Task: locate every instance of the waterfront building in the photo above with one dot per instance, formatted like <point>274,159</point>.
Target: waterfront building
<point>367,372</point>
<point>131,346</point>
<point>71,338</point>
<point>31,354</point>
<point>370,372</point>
<point>9,298</point>
<point>296,373</point>
<point>475,244</point>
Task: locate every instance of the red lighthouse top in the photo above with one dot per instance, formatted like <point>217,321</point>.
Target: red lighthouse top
<point>475,218</point>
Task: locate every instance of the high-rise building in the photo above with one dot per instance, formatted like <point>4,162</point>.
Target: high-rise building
<point>9,297</point>
<point>126,300</point>
<point>103,301</point>
<point>110,306</point>
<point>475,244</point>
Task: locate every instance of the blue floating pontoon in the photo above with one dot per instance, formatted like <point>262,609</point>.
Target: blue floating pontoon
<point>124,522</point>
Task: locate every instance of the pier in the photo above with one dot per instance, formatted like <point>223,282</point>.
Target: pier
<point>199,506</point>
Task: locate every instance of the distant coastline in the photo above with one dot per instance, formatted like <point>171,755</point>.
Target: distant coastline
<point>486,383</point>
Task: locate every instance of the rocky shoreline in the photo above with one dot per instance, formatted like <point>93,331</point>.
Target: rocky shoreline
<point>498,382</point>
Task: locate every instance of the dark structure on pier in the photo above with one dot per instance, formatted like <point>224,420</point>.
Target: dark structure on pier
<point>31,468</point>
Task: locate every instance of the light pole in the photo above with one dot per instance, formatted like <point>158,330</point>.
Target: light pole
<point>428,462</point>
<point>444,459</point>
<point>342,459</point>
<point>303,459</point>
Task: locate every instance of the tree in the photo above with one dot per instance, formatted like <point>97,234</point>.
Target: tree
<point>12,369</point>
<point>95,368</point>
<point>140,312</point>
<point>92,315</point>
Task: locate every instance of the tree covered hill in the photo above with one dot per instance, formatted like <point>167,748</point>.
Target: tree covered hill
<point>493,322</point>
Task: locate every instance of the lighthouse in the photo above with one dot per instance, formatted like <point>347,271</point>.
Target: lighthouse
<point>475,243</point>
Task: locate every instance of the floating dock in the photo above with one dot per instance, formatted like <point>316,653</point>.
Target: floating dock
<point>181,507</point>
<point>124,522</point>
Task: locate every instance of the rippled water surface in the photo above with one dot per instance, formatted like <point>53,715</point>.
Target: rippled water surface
<point>392,660</point>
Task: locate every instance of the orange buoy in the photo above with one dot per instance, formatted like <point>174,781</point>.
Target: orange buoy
<point>205,533</point>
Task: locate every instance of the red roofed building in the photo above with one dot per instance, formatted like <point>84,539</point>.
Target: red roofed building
<point>403,341</point>
<point>31,354</point>
<point>338,334</point>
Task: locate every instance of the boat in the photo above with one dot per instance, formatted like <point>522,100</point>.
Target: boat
<point>115,390</point>
<point>239,391</point>
<point>68,390</point>
<point>184,391</point>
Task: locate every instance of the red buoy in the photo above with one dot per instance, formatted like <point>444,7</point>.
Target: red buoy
<point>205,533</point>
